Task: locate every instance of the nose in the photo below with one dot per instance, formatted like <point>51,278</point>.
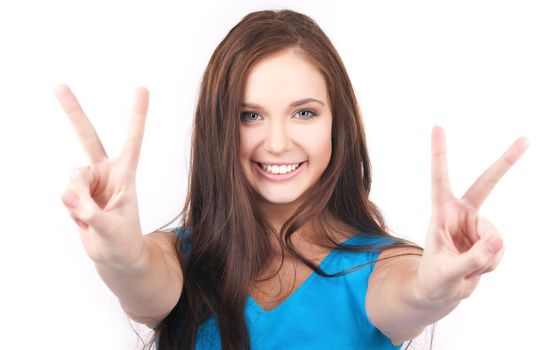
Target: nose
<point>277,138</point>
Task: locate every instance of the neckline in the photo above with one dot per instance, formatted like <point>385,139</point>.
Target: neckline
<point>293,296</point>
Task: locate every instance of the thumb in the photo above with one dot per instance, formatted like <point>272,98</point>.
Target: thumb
<point>479,256</point>
<point>77,199</point>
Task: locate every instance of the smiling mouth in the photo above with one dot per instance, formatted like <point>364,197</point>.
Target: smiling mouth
<point>284,169</point>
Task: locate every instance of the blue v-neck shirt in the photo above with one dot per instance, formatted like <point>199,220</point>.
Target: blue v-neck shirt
<point>323,313</point>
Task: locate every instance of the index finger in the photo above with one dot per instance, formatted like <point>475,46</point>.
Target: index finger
<point>82,125</point>
<point>441,190</point>
<point>483,186</point>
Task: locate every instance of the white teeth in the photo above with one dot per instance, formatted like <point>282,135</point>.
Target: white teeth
<point>279,169</point>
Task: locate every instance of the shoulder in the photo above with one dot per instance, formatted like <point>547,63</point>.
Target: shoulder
<point>392,258</point>
<point>385,249</point>
<point>371,253</point>
<point>165,241</point>
<point>168,238</point>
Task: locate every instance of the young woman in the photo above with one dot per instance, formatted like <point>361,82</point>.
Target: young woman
<point>279,246</point>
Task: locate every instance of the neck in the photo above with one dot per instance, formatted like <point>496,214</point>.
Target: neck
<point>277,214</point>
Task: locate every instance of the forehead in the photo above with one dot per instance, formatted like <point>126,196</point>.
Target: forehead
<point>283,77</point>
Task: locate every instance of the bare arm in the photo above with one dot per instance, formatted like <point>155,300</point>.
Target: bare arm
<point>142,271</point>
<point>393,303</point>
<point>405,294</point>
<point>150,289</point>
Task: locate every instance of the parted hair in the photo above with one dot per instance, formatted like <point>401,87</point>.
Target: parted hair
<point>228,237</point>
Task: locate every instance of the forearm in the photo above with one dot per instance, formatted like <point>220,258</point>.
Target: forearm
<point>404,312</point>
<point>147,289</point>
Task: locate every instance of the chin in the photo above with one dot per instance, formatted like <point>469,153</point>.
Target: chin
<point>279,198</point>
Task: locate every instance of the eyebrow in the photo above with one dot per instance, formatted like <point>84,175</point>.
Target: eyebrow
<point>293,104</point>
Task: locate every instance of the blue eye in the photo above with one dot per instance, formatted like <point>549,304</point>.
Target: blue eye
<point>307,114</point>
<point>303,114</point>
<point>244,116</point>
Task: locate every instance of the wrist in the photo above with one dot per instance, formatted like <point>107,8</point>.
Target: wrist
<point>133,262</point>
<point>428,294</point>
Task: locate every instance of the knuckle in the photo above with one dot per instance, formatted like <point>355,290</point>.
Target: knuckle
<point>86,213</point>
<point>480,260</point>
<point>441,178</point>
<point>77,173</point>
<point>508,160</point>
<point>80,176</point>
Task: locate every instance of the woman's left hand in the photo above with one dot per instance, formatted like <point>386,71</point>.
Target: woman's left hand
<point>460,245</point>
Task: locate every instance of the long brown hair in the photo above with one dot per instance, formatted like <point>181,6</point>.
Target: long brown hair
<point>229,238</point>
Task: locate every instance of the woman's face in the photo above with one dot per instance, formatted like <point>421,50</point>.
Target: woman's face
<point>285,127</point>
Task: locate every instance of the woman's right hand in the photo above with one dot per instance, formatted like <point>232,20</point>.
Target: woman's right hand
<point>101,198</point>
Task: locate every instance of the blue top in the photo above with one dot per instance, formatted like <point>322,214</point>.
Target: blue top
<point>323,313</point>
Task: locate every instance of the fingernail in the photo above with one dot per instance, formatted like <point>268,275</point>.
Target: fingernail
<point>71,199</point>
<point>493,245</point>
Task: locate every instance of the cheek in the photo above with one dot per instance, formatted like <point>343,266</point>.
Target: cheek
<point>318,142</point>
<point>325,152</point>
<point>245,157</point>
<point>246,144</point>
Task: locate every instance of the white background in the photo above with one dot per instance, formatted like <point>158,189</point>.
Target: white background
<point>480,68</point>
